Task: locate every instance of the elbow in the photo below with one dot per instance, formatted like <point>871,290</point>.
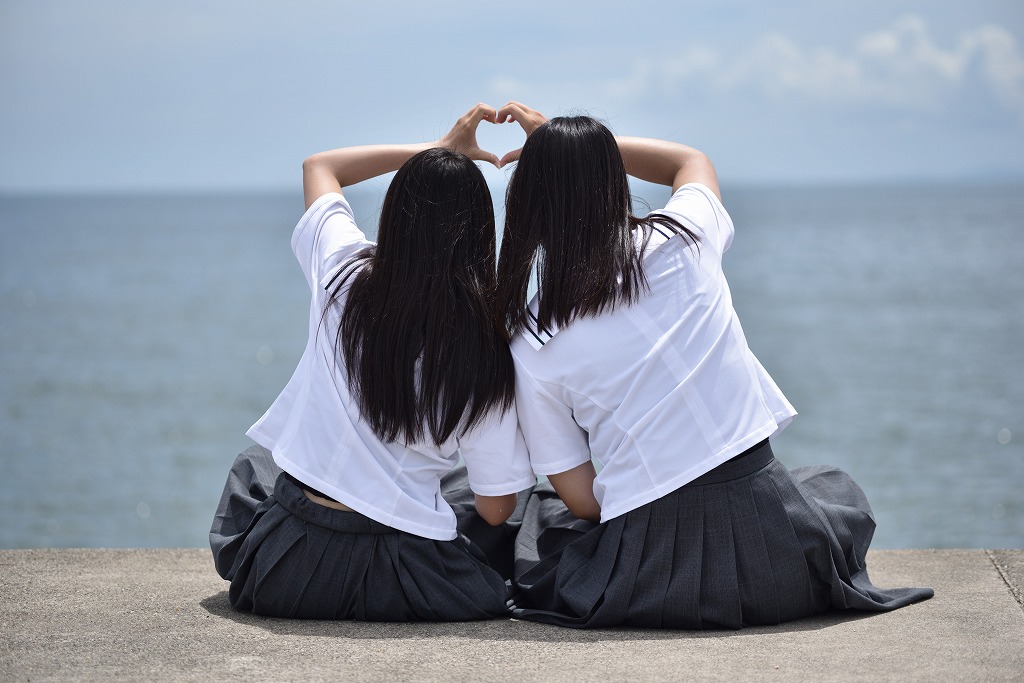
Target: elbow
<point>495,510</point>
<point>694,161</point>
<point>494,518</point>
<point>310,163</point>
<point>589,511</point>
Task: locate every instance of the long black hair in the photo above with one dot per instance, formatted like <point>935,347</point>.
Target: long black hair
<point>568,207</point>
<point>424,354</point>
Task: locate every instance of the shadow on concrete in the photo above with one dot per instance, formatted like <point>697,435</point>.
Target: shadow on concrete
<point>503,629</point>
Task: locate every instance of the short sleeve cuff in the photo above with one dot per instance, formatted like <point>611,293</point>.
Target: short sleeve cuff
<point>503,489</point>
<point>326,232</point>
<point>699,207</point>
<point>559,466</point>
<point>314,216</point>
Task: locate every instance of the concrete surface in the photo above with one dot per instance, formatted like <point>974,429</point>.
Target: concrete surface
<point>163,615</point>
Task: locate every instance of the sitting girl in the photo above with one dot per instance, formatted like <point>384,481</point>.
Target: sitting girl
<point>338,513</point>
<point>632,354</point>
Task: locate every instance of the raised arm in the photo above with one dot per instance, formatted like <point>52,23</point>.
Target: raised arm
<point>656,161</point>
<point>667,163</point>
<point>332,170</point>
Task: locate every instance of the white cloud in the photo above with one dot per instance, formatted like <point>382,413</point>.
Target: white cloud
<point>779,67</point>
<point>900,66</point>
<point>1001,64</point>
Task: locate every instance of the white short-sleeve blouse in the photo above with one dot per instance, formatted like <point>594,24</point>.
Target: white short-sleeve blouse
<point>659,392</point>
<point>314,429</point>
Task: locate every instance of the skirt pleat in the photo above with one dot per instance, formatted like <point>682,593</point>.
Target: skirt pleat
<point>719,582</point>
<point>654,569</point>
<point>682,604</point>
<point>794,592</point>
<point>748,543</point>
<point>287,556</point>
<point>755,577</point>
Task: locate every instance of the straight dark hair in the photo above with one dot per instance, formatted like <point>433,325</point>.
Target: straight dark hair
<point>424,354</point>
<point>568,207</point>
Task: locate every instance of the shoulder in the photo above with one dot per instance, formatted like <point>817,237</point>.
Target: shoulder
<point>326,235</point>
<point>324,208</point>
<point>699,208</point>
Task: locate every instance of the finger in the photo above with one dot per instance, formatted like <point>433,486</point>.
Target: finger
<point>513,111</point>
<point>463,132</point>
<point>480,112</point>
<point>476,153</point>
<point>510,157</point>
<point>485,112</point>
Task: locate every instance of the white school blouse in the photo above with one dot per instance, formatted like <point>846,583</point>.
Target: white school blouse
<point>659,392</point>
<point>314,427</point>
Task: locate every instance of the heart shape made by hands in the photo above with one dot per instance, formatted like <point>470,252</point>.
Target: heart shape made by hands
<point>463,135</point>
<point>499,138</point>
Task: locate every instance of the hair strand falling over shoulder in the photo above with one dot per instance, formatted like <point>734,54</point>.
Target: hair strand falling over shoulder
<point>568,209</point>
<point>424,354</point>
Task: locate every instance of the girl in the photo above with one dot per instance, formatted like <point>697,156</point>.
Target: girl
<point>338,512</point>
<point>632,353</point>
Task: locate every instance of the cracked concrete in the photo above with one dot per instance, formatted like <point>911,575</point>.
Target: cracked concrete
<point>1010,565</point>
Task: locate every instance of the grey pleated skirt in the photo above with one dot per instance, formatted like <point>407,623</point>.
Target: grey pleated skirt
<point>287,556</point>
<point>748,543</point>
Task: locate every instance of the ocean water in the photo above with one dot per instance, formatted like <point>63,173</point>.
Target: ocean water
<point>141,336</point>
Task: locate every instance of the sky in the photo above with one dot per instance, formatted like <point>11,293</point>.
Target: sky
<point>108,96</point>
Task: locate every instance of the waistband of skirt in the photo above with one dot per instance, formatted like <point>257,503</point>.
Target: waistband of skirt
<point>749,461</point>
<point>288,493</point>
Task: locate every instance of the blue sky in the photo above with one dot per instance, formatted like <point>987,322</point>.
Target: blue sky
<point>216,96</point>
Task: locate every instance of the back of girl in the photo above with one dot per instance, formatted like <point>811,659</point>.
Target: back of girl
<point>339,511</point>
<point>632,354</point>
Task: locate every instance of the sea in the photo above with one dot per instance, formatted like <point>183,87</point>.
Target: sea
<point>140,336</point>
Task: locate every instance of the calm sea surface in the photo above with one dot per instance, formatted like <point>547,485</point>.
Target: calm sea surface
<point>140,337</point>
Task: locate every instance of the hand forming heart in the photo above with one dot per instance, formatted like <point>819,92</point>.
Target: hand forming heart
<point>462,136</point>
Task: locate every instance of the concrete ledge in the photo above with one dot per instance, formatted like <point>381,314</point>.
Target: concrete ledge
<point>102,615</point>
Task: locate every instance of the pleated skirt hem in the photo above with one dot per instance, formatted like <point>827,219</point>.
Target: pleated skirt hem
<point>749,543</point>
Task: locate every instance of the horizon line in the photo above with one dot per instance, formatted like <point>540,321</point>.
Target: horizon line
<point>1013,179</point>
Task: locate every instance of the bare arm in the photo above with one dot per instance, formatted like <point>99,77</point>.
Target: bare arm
<point>656,161</point>
<point>496,509</point>
<point>667,163</point>
<point>576,489</point>
<point>332,170</point>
